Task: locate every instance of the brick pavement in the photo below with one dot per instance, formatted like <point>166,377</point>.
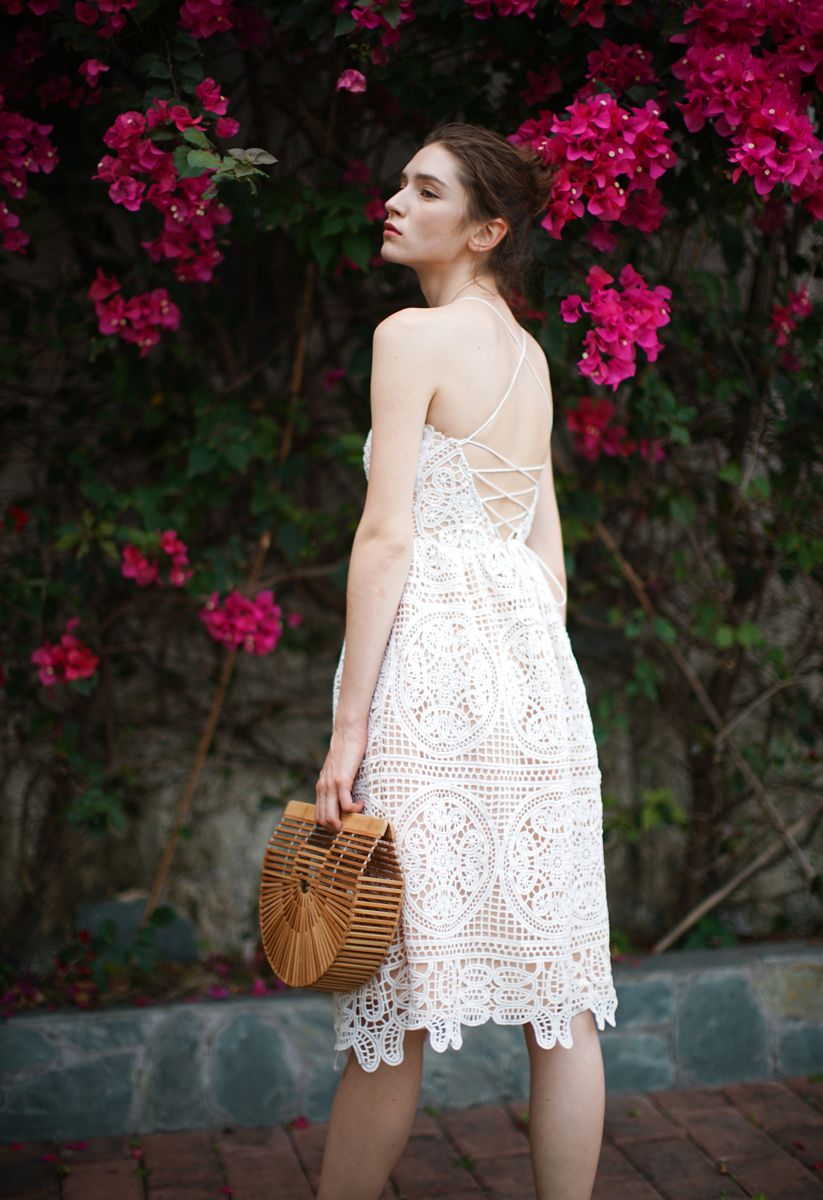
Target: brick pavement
<point>762,1140</point>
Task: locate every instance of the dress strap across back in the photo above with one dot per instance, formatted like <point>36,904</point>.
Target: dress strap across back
<point>529,472</point>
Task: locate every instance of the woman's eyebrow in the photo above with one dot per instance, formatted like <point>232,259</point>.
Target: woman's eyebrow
<point>432,178</point>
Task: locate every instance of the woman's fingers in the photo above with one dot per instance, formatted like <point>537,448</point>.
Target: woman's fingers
<point>347,801</point>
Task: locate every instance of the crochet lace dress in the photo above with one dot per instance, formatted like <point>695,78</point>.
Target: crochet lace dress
<point>481,753</point>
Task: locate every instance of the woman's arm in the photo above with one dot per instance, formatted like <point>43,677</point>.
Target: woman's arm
<point>404,365</point>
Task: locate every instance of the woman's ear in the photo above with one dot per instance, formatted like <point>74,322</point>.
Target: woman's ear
<point>488,235</point>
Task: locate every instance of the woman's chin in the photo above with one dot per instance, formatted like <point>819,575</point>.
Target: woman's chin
<point>387,250</point>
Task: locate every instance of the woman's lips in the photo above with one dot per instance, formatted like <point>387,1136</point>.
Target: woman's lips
<point>390,231</point>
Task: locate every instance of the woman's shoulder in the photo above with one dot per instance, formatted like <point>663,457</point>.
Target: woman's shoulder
<point>416,328</point>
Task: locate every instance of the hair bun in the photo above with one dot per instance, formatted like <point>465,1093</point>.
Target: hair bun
<point>540,176</point>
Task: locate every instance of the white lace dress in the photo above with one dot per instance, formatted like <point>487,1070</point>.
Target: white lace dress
<point>481,753</point>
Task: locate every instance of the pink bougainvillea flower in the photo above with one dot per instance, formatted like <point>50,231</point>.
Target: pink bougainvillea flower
<point>375,209</point>
<point>369,18</point>
<point>144,570</point>
<point>351,80</point>
<point>620,67</point>
<point>66,660</point>
<point>541,84</point>
<point>138,320</point>
<point>258,988</point>
<point>620,323</point>
<point>209,94</point>
<point>293,619</point>
<point>483,10</point>
<point>254,625</point>
<point>587,12</point>
<point>603,153</point>
<point>590,427</point>
<point>91,69</point>
<point>219,991</point>
<point>784,317</point>
<point>204,18</point>
<point>226,127</point>
<point>137,567</point>
<point>110,14</point>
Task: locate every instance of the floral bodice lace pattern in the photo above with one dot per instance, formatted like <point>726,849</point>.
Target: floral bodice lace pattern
<point>481,753</point>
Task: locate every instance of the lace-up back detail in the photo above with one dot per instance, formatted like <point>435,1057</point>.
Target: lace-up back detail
<point>481,753</point>
<point>491,499</point>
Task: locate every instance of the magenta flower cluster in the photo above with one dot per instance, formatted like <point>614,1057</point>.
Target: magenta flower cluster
<point>39,7</point>
<point>369,18</point>
<point>590,425</point>
<point>484,9</point>
<point>139,320</point>
<point>144,570</point>
<point>24,149</point>
<point>744,71</point>
<point>108,12</point>
<point>619,67</point>
<point>588,12</point>
<point>141,172</point>
<point>66,660</point>
<point>785,316</point>
<point>254,625</point>
<point>621,321</point>
<point>203,18</point>
<point>608,160</point>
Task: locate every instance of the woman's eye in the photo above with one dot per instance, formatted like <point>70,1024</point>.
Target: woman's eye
<point>427,192</point>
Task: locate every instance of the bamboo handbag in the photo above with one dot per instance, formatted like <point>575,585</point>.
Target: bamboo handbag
<point>329,902</point>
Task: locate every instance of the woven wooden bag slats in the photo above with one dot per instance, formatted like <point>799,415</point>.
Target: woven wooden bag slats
<point>329,902</point>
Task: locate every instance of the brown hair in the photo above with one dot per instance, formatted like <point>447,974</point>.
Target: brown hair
<point>501,180</point>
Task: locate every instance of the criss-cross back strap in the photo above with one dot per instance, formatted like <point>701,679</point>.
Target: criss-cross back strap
<point>513,336</point>
<point>502,493</point>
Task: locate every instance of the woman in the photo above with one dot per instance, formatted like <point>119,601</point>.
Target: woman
<point>459,710</point>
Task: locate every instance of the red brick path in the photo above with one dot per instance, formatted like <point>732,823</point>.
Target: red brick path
<point>752,1139</point>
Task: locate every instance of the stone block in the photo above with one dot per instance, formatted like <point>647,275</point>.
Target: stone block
<point>793,990</point>
<point>87,1099</point>
<point>254,1083</point>
<point>22,1049</point>
<point>491,1065</point>
<point>95,1032</point>
<point>800,1050</point>
<point>721,1034</point>
<point>172,1085</point>
<point>636,1062</point>
<point>647,1002</point>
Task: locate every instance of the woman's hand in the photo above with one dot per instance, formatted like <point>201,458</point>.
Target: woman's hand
<point>333,788</point>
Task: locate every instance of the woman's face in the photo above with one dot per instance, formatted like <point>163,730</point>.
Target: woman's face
<point>427,210</point>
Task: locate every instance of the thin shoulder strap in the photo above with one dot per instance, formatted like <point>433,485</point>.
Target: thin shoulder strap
<point>512,335</point>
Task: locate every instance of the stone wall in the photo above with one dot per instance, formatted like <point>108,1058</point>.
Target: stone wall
<point>685,1018</point>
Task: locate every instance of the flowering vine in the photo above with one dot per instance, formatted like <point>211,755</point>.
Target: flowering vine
<point>66,660</point>
<point>593,433</point>
<point>608,161</point>
<point>25,149</point>
<point>744,69</point>
<point>621,321</point>
<point>254,625</point>
<point>145,570</point>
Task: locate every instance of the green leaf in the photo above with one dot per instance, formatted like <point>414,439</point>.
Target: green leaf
<point>204,159</point>
<point>196,136</point>
<point>729,473</point>
<point>724,637</point>
<point>163,915</point>
<point>682,509</point>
